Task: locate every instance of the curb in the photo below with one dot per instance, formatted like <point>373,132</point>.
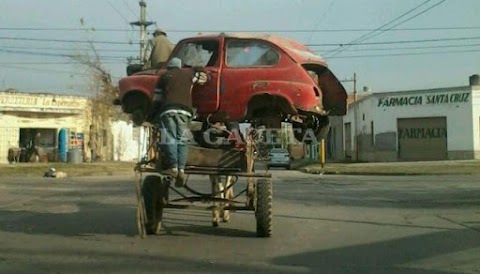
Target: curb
<point>336,172</point>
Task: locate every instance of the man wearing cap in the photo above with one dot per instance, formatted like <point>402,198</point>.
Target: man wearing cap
<point>161,48</point>
<point>172,111</point>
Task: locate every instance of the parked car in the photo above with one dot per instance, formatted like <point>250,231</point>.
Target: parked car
<point>262,79</point>
<point>279,157</point>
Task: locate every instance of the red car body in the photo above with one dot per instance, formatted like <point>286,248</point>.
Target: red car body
<point>251,76</point>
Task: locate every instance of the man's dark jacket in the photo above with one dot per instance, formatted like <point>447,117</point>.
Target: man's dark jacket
<point>176,87</point>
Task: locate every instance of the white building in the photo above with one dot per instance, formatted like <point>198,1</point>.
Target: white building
<point>130,143</point>
<point>26,115</point>
<point>431,124</point>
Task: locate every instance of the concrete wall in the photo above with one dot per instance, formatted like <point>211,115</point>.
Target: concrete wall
<point>475,123</point>
<point>336,131</point>
<point>128,141</point>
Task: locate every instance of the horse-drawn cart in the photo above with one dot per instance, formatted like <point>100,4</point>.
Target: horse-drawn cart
<point>224,167</point>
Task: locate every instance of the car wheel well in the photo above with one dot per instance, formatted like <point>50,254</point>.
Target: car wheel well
<point>269,103</point>
<point>135,99</point>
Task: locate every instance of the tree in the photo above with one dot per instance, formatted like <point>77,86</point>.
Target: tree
<point>103,92</point>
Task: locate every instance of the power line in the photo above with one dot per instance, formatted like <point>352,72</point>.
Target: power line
<point>43,70</point>
<point>409,48</point>
<point>403,54</point>
<point>312,45</point>
<point>247,31</point>
<point>117,11</point>
<point>334,51</point>
<point>65,29</point>
<point>55,54</point>
<point>370,34</point>
<point>406,20</point>
<point>65,40</point>
<point>396,42</point>
<point>130,8</point>
<point>67,49</point>
<point>49,63</point>
<point>321,18</point>
<point>37,63</point>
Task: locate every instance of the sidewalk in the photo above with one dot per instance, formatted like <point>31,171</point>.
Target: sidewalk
<point>464,167</point>
<point>460,167</point>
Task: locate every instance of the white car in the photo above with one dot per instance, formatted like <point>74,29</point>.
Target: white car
<point>279,157</point>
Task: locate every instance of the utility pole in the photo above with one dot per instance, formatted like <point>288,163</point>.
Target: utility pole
<point>355,111</point>
<point>354,80</point>
<point>143,24</point>
<point>355,115</point>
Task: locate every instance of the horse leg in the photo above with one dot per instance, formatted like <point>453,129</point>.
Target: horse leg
<point>215,212</point>
<point>227,195</point>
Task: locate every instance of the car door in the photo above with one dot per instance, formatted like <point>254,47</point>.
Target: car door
<point>248,67</point>
<point>202,53</point>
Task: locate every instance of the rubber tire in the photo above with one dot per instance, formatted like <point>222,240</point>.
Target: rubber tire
<point>263,210</point>
<point>155,194</point>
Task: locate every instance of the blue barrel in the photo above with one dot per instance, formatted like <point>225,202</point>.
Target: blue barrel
<point>63,145</point>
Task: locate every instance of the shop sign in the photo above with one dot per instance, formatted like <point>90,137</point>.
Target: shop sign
<point>422,133</point>
<point>32,101</point>
<point>419,100</point>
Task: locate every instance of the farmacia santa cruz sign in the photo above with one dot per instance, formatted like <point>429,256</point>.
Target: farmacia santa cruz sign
<point>432,99</point>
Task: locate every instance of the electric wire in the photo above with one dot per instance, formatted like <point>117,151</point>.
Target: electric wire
<point>397,42</point>
<point>117,11</point>
<point>130,8</point>
<point>313,45</point>
<point>406,20</point>
<point>374,33</point>
<point>64,40</point>
<point>55,54</point>
<point>245,30</point>
<point>321,18</point>
<point>68,49</point>
<point>402,54</point>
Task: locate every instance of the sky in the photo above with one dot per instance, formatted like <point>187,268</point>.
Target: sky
<point>380,62</point>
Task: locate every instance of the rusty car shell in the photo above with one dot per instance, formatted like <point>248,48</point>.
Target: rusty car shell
<point>241,92</point>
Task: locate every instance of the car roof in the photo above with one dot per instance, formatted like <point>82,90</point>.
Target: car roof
<point>298,52</point>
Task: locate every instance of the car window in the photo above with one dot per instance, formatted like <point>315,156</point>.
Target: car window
<point>249,53</point>
<point>198,53</point>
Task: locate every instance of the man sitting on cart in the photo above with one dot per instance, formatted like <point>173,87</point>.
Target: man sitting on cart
<point>172,111</point>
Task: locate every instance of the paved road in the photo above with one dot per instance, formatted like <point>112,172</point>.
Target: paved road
<point>322,224</point>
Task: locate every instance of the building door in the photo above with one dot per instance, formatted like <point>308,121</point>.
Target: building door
<point>422,138</point>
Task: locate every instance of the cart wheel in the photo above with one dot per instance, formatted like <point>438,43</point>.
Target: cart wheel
<point>263,212</point>
<point>155,193</point>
